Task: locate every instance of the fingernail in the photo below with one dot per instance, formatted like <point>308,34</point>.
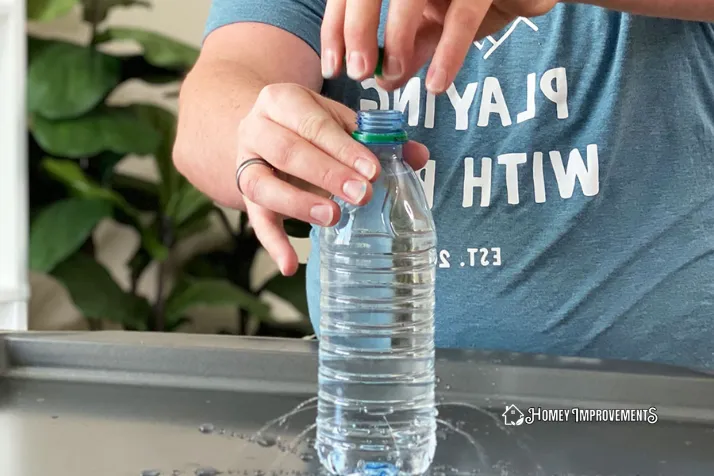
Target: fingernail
<point>328,64</point>
<point>321,214</point>
<point>366,168</point>
<point>355,190</point>
<point>356,65</point>
<point>436,82</point>
<point>393,68</point>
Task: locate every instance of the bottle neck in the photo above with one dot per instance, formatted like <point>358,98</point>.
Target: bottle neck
<point>384,128</point>
<point>388,153</point>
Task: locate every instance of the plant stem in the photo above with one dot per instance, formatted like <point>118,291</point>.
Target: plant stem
<point>244,252</point>
<point>95,25</point>
<point>166,234</point>
<point>226,222</point>
<point>159,320</point>
<point>241,317</point>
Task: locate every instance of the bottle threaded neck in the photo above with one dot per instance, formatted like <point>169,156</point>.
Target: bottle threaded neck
<point>379,126</point>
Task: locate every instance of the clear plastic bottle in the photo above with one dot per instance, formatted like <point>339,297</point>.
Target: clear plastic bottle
<point>376,407</point>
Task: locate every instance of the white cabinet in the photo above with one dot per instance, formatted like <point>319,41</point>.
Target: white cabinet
<point>14,200</point>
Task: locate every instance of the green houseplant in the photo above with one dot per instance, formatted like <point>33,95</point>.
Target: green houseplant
<point>77,137</point>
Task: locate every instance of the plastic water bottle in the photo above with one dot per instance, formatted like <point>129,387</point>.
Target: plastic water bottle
<point>376,408</point>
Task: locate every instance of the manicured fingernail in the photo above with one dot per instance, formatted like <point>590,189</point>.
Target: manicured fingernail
<point>366,168</point>
<point>436,82</point>
<point>328,64</point>
<point>393,68</point>
<point>355,190</point>
<point>321,214</point>
<point>356,65</point>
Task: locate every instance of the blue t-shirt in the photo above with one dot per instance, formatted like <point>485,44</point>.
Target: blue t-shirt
<point>571,180</point>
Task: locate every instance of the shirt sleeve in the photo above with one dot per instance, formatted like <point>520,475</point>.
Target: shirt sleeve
<point>302,18</point>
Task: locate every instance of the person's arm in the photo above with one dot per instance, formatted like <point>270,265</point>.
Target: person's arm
<point>694,10</point>
<point>236,62</point>
<point>253,94</point>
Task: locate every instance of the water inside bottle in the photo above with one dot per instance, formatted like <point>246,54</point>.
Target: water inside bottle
<point>376,405</point>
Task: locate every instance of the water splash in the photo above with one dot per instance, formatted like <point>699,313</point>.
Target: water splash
<point>282,419</point>
<point>494,418</point>
<point>292,447</point>
<point>480,451</point>
<point>501,426</point>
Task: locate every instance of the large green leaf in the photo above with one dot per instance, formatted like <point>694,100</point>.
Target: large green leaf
<point>66,80</point>
<point>164,122</point>
<point>159,50</point>
<point>60,229</point>
<point>96,11</point>
<point>97,295</point>
<point>69,173</point>
<point>35,46</point>
<point>192,293</point>
<point>199,223</point>
<point>112,129</point>
<point>187,203</point>
<point>74,178</point>
<point>101,166</point>
<point>44,190</point>
<point>46,10</point>
<point>140,194</point>
<point>291,289</point>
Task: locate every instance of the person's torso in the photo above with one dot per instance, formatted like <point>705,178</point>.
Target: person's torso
<point>572,183</point>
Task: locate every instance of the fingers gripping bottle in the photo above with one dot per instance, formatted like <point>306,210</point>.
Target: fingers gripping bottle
<point>376,408</point>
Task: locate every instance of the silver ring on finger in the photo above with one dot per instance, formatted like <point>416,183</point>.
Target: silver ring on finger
<point>248,163</point>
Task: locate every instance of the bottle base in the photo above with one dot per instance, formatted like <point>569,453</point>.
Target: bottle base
<point>365,462</point>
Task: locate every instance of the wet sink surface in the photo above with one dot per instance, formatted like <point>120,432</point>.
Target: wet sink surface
<point>80,405</point>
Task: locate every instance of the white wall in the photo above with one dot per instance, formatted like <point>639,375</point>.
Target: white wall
<point>50,308</point>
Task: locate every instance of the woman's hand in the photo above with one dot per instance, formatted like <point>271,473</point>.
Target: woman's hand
<point>416,31</point>
<point>305,140</point>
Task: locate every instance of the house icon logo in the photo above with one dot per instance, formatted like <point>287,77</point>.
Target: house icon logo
<point>513,416</point>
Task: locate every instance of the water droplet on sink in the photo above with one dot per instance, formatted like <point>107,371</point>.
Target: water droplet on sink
<point>151,472</point>
<point>207,471</point>
<point>266,441</point>
<point>206,428</point>
<point>307,457</point>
